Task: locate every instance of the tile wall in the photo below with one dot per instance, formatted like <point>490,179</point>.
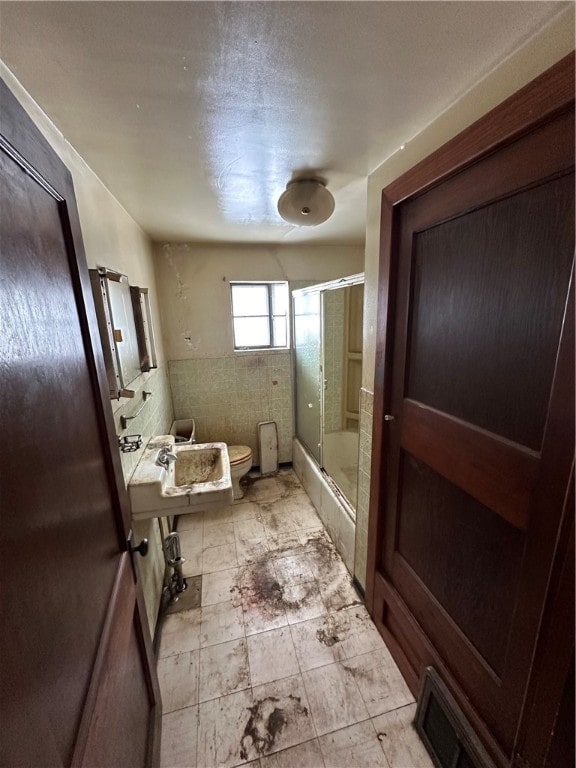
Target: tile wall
<point>154,419</point>
<point>363,504</point>
<point>229,396</point>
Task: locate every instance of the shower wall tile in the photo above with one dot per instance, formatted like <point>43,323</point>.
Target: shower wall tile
<point>228,396</point>
<point>363,504</point>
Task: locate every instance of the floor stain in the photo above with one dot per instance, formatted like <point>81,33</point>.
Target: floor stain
<point>265,506</point>
<point>268,718</point>
<point>289,483</point>
<point>260,589</point>
<point>326,638</point>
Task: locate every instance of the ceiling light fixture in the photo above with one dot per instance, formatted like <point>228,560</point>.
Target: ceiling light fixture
<point>306,203</point>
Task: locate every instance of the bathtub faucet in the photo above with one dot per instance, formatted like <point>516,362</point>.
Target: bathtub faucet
<point>165,457</point>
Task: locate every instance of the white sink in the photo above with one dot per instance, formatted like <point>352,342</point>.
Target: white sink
<point>198,479</point>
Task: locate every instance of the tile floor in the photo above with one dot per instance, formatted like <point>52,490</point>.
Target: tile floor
<point>281,666</point>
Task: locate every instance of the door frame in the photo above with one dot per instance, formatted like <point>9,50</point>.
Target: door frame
<point>24,142</point>
<point>534,105</point>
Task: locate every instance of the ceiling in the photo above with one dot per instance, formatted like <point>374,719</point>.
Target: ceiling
<point>196,114</point>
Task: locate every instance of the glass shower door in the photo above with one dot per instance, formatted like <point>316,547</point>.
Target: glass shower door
<point>342,365</point>
<point>307,344</point>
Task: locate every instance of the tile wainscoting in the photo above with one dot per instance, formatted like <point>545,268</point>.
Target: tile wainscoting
<point>154,419</point>
<point>228,396</point>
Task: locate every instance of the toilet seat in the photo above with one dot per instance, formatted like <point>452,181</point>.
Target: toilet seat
<point>239,453</point>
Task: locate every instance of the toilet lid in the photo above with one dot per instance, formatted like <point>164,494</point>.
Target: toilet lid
<point>238,453</point>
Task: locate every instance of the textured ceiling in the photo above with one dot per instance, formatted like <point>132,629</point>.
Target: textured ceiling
<point>197,114</point>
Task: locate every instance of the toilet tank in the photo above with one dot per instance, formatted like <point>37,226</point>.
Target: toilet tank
<point>184,430</point>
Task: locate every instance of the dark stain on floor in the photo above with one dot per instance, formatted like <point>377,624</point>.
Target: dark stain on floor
<point>265,506</point>
<point>327,638</point>
<point>260,590</point>
<point>289,483</point>
<point>268,718</point>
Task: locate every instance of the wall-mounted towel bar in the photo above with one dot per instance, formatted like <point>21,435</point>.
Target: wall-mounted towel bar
<point>125,419</point>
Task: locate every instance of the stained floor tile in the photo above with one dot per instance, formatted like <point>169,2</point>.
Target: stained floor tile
<point>292,569</point>
<point>245,510</point>
<point>400,742</point>
<point>219,587</point>
<point>379,681</point>
<point>249,530</point>
<point>313,643</point>
<point>303,601</point>
<point>217,535</point>
<point>223,669</point>
<point>272,656</point>
<point>219,558</point>
<point>180,633</point>
<point>178,678</point>
<point>334,698</point>
<point>284,660</point>
<point>191,522</point>
<point>280,717</point>
<point>251,550</point>
<point>356,745</point>
<point>220,622</point>
<point>263,489</point>
<point>307,755</point>
<point>179,738</point>
<point>339,593</point>
<point>221,726</point>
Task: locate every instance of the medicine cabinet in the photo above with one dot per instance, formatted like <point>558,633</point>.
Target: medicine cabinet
<point>125,326</point>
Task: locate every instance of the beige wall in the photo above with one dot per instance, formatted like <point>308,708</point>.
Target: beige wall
<point>193,281</point>
<point>227,392</point>
<point>541,52</point>
<point>113,239</point>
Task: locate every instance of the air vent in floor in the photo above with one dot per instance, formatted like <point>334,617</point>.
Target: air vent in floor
<point>446,733</point>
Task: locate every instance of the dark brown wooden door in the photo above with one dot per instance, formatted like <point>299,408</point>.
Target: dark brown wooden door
<point>78,681</point>
<point>478,444</point>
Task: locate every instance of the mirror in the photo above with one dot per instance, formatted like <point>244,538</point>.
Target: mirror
<point>125,326</point>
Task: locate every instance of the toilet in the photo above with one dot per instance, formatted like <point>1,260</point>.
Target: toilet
<point>240,455</point>
<point>240,464</point>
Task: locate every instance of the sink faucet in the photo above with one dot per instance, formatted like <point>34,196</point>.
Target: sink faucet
<point>165,457</point>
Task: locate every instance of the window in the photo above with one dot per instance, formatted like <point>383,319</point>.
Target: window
<point>260,315</point>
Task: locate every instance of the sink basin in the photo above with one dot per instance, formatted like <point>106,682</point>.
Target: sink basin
<point>202,464</point>
<point>199,479</point>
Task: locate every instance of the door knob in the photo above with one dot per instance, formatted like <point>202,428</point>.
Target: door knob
<point>142,548</point>
<point>388,417</point>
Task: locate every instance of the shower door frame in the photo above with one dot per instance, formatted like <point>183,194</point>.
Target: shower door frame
<point>321,288</point>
